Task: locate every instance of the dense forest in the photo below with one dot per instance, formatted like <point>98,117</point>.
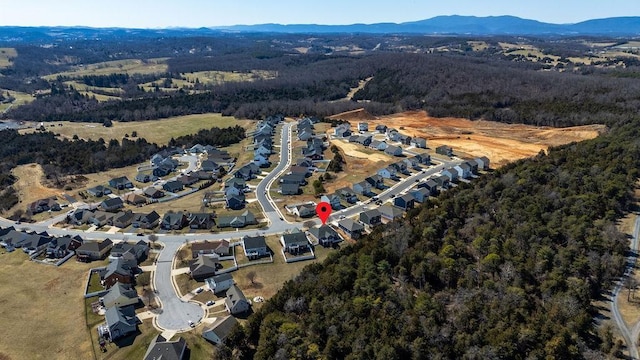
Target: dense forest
<point>65,157</point>
<point>505,267</point>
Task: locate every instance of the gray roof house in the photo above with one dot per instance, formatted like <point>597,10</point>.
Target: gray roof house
<point>362,187</point>
<point>370,217</point>
<point>220,282</point>
<point>347,194</point>
<point>420,195</point>
<point>393,150</point>
<point>431,185</point>
<point>153,192</point>
<point>254,246</point>
<point>220,329</point>
<point>163,349</point>
<point>404,202</point>
<point>173,186</point>
<point>99,191</point>
<point>354,229</point>
<point>451,173</point>
<point>174,221</point>
<point>290,189</point>
<point>390,212</point>
<point>483,163</point>
<point>112,204</point>
<point>333,200</point>
<point>464,170</point>
<point>236,303</point>
<point>295,242</point>
<point>94,250</point>
<point>120,295</point>
<point>325,235</point>
<point>304,210</point>
<point>378,145</point>
<point>120,183</point>
<point>376,181</point>
<point>237,221</point>
<point>146,221</point>
<point>419,142</point>
<point>120,322</point>
<point>444,150</point>
<point>203,267</point>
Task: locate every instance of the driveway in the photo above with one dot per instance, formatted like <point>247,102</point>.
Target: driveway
<point>176,313</point>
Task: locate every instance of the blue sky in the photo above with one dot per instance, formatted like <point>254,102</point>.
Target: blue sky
<point>203,13</point>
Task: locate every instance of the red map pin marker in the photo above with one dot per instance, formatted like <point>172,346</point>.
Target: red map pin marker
<point>323,210</point>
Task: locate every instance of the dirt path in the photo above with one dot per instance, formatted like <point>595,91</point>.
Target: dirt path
<point>29,185</point>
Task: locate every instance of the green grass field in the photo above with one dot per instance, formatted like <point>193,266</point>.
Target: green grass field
<point>155,131</point>
<point>130,66</point>
<point>5,55</point>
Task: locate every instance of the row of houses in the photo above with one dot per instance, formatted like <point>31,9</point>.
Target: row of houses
<point>33,242</point>
<point>292,182</point>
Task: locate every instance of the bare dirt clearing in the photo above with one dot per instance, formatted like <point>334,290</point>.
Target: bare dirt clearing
<point>502,143</point>
<point>29,185</point>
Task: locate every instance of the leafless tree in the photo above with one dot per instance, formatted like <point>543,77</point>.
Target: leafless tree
<point>251,276</point>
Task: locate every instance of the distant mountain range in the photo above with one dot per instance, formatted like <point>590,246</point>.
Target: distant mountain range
<point>454,25</point>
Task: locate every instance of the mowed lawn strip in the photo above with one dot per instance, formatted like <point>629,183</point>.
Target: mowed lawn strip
<point>42,313</point>
<point>154,131</point>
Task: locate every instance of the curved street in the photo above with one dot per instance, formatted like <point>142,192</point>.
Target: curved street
<point>176,313</point>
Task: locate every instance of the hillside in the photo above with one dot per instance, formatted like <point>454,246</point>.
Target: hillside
<point>505,267</point>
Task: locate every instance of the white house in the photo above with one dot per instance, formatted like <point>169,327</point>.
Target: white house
<point>220,329</point>
<point>220,282</point>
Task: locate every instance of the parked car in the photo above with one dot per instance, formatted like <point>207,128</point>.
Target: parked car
<point>191,324</point>
<point>199,290</point>
<point>210,303</point>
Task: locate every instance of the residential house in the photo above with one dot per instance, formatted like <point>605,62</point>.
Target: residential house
<point>220,283</point>
<point>431,185</point>
<point>420,195</point>
<point>451,173</point>
<point>203,175</point>
<point>145,176</point>
<point>203,267</point>
<point>120,322</point>
<point>313,153</point>
<point>118,270</point>
<point>101,218</point>
<point>352,228</point>
<point>34,243</point>
<point>424,159</point>
<point>174,221</point>
<point>146,221</point>
<point>363,126</point>
<point>201,220</point>
<point>387,173</point>
<point>412,162</point>
<point>370,217</point>
<point>378,145</point>
<point>80,216</point>
<point>99,191</point>
<point>209,166</point>
<point>392,134</point>
<point>443,181</point>
<point>120,295</point>
<point>393,150</point>
<point>261,160</point>
<point>41,205</point>
<point>197,149</point>
<point>220,329</point>
<point>219,156</point>
<point>333,200</point>
<point>400,167</point>
<point>404,202</point>
<point>325,235</point>
<point>304,162</point>
<point>376,181</point>
<point>248,171</point>
<point>342,130</point>
<point>139,250</point>
<point>120,183</point>
<point>295,242</point>
<point>237,183</point>
<point>237,221</point>
<point>122,219</point>
<point>254,246</point>
<point>153,192</point>
<point>163,349</point>
<point>290,189</point>
<point>235,202</point>
<point>444,150</point>
<point>483,163</point>
<point>382,129</point>
<point>93,250</point>
<point>62,246</point>
<point>305,134</point>
<point>135,199</point>
<point>464,170</point>
<point>112,204</point>
<point>404,139</point>
<point>187,180</point>
<point>348,195</point>
<point>299,179</point>
<point>173,186</point>
<point>419,142</point>
<point>362,188</point>
<point>220,247</point>
<point>390,213</point>
<point>236,303</point>
<point>304,210</point>
<point>302,170</point>
<point>474,166</point>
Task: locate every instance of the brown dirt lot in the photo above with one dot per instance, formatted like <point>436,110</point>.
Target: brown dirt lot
<point>29,185</point>
<point>502,143</point>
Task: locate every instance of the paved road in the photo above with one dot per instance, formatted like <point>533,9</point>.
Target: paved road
<point>176,313</point>
<point>629,337</point>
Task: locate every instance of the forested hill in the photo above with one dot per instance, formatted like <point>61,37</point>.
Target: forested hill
<point>505,267</point>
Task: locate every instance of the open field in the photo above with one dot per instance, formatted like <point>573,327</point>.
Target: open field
<point>44,317</point>
<point>221,77</point>
<point>29,185</point>
<point>155,131</point>
<point>5,55</point>
<point>20,99</point>
<point>131,66</point>
<point>502,143</point>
